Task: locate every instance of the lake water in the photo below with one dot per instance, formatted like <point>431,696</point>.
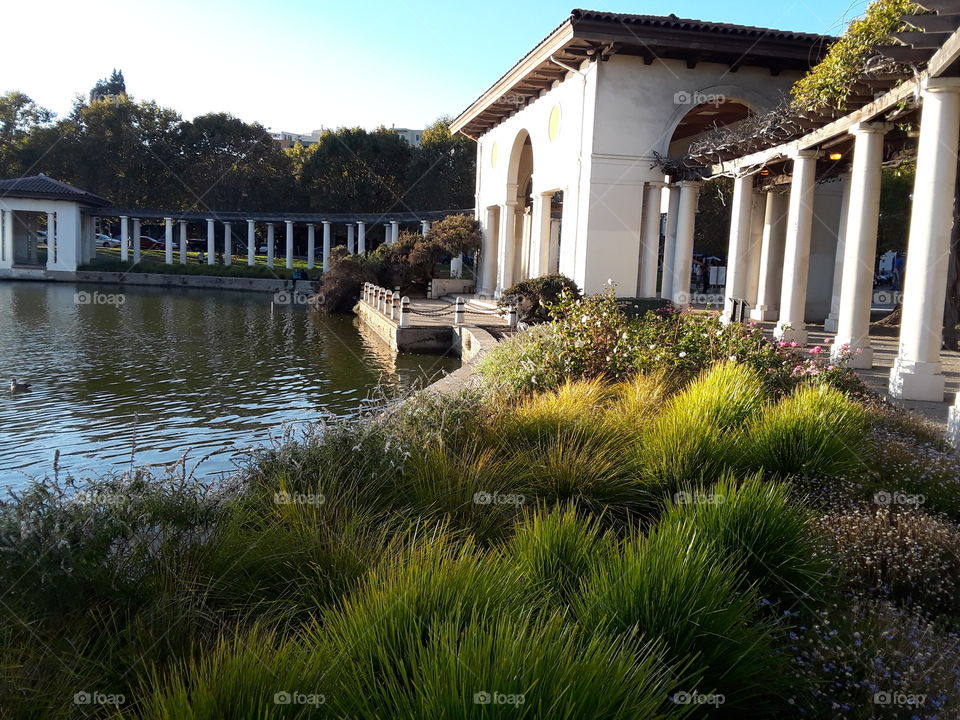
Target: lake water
<point>142,377</point>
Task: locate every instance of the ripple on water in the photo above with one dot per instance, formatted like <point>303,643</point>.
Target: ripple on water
<point>171,371</point>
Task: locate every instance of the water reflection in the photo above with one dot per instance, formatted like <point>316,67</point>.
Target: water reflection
<point>142,380</point>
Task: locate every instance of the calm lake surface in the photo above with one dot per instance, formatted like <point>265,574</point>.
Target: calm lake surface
<point>169,371</point>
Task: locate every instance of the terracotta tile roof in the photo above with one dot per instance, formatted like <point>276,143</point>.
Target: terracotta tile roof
<point>46,188</point>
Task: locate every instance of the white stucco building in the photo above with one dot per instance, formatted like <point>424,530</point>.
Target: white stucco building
<point>568,139</point>
<point>37,211</point>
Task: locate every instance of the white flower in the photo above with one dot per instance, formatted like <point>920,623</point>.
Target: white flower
<point>732,358</point>
<point>682,354</point>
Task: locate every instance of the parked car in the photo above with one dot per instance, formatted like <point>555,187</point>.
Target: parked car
<point>149,243</point>
<point>107,241</point>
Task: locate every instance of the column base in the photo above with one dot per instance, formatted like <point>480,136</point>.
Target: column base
<point>916,381</point>
<point>787,332</point>
<point>831,323</point>
<point>764,313</point>
<point>953,425</point>
<point>860,357</point>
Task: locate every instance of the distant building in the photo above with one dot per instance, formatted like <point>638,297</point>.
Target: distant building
<point>288,139</point>
<point>411,136</point>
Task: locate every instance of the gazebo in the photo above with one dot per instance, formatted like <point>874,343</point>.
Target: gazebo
<point>29,202</point>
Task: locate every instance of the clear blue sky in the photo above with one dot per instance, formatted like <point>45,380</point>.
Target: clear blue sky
<point>298,65</point>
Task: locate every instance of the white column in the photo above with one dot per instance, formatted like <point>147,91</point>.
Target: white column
<point>183,242</point>
<point>771,257</point>
<point>796,256</point>
<point>830,324</point>
<point>917,373</point>
<point>211,242</point>
<point>227,244</point>
<point>424,227</point>
<point>507,238</point>
<point>136,240</point>
<point>543,203</point>
<point>326,246</point>
<point>758,208</point>
<point>251,242</point>
<point>650,240</point>
<point>124,238</point>
<point>168,241</point>
<point>489,254</point>
<point>394,231</point>
<point>6,239</point>
<point>350,245</point>
<point>683,251</point>
<point>312,245</point>
<point>289,254</point>
<point>860,249</point>
<point>362,238</point>
<point>51,240</point>
<point>670,243</point>
<point>738,249</point>
<point>271,238</point>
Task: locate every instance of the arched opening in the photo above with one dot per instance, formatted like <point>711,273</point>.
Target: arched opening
<point>519,242</point>
<point>703,118</point>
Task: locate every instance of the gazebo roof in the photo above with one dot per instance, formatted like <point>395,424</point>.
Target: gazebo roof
<point>46,188</point>
<point>589,33</point>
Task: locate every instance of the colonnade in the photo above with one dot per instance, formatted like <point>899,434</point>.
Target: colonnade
<point>356,240</point>
<point>678,240</point>
<point>783,250</point>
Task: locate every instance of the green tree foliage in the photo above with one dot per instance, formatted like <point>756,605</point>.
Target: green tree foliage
<point>443,169</point>
<point>713,217</point>
<point>828,83</point>
<point>896,187</point>
<point>351,169</point>
<point>113,86</point>
<point>20,116</point>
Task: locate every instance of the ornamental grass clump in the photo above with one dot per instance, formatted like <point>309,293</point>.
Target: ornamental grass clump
<point>673,586</point>
<point>691,440</point>
<point>555,549</point>
<point>816,431</point>
<point>773,537</point>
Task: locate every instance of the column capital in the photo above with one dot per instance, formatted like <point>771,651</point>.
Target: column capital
<point>807,154</point>
<point>864,128</point>
<point>512,204</point>
<point>325,222</point>
<point>251,222</point>
<point>689,183</point>
<point>168,220</point>
<point>124,217</point>
<point>289,222</point>
<point>311,225</point>
<point>655,184</point>
<point>943,84</point>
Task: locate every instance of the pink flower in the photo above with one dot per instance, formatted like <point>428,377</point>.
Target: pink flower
<point>816,350</point>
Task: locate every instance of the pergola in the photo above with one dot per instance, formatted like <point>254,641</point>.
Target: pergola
<point>776,163</point>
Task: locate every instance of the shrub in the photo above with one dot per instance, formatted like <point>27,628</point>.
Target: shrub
<point>341,285</point>
<point>535,298</point>
<point>531,359</point>
<point>815,431</point>
<point>773,537</point>
<point>672,585</point>
<point>639,400</point>
<point>899,554</point>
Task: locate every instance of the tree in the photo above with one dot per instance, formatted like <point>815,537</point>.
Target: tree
<point>20,116</point>
<point>352,170</point>
<point>713,217</point>
<point>227,164</point>
<point>109,87</point>
<point>443,169</point>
